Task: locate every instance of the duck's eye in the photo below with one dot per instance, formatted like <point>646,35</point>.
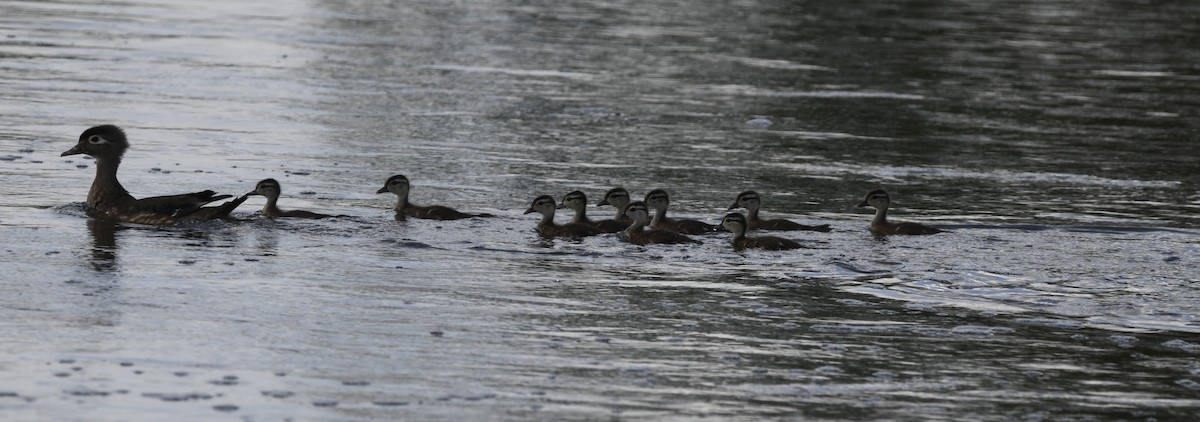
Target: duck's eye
<point>96,139</point>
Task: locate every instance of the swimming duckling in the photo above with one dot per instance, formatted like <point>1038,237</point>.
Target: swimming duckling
<point>881,227</point>
<point>736,224</point>
<point>270,189</point>
<point>548,229</point>
<point>619,199</point>
<point>398,185</point>
<point>637,233</point>
<point>578,201</point>
<point>658,200</point>
<point>750,201</point>
<point>109,200</point>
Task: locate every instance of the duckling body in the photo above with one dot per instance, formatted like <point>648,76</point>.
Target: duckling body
<point>270,189</point>
<point>548,229</point>
<point>577,201</point>
<point>751,201</point>
<point>659,200</point>
<point>619,199</point>
<point>399,185</point>
<point>737,224</point>
<point>880,226</point>
<point>107,199</point>
<point>638,234</point>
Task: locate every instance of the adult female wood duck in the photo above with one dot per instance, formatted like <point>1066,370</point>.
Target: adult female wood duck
<point>399,185</point>
<point>659,200</point>
<point>548,229</point>
<point>270,189</point>
<point>577,201</point>
<point>638,234</point>
<point>736,223</point>
<point>881,227</point>
<point>107,199</point>
<point>751,202</point>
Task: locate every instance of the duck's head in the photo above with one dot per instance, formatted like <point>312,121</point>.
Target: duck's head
<point>747,200</point>
<point>266,187</point>
<point>878,198</point>
<point>104,141</point>
<point>617,197</point>
<point>734,222</point>
<point>657,199</point>
<point>397,184</point>
<point>638,211</point>
<point>543,204</point>
<point>575,200</point>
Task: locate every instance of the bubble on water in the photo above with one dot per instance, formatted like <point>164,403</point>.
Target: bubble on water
<point>225,408</point>
<point>173,397</point>
<point>759,123</point>
<point>356,383</point>
<point>324,403</point>
<point>828,369</point>
<point>1123,341</point>
<point>1187,383</point>
<point>979,330</point>
<point>1183,345</point>
<point>278,394</point>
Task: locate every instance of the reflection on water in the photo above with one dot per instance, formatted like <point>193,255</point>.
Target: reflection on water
<point>1053,138</point>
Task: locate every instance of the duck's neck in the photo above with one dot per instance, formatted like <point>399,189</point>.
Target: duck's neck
<point>880,216</point>
<point>660,216</point>
<point>547,219</point>
<point>270,209</point>
<point>636,227</point>
<point>752,213</point>
<point>580,216</point>
<point>401,200</point>
<point>738,234</point>
<point>106,183</point>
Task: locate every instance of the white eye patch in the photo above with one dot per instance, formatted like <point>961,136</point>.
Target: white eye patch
<point>97,140</point>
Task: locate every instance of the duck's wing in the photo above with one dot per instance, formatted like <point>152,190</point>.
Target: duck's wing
<point>178,205</point>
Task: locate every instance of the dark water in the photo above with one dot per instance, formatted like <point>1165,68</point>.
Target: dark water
<point>1055,139</point>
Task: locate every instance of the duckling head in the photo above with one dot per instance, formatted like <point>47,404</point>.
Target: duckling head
<point>617,197</point>
<point>638,211</point>
<point>657,199</point>
<point>543,204</point>
<point>748,200</point>
<point>734,223</point>
<point>266,187</point>
<point>575,200</point>
<point>104,141</point>
<point>397,184</point>
<point>877,198</point>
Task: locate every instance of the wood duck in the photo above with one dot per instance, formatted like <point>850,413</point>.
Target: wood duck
<point>658,200</point>
<point>548,229</point>
<point>751,202</point>
<point>107,199</point>
<point>398,185</point>
<point>638,234</point>
<point>736,223</point>
<point>270,189</point>
<point>619,199</point>
<point>881,227</point>
<point>578,201</point>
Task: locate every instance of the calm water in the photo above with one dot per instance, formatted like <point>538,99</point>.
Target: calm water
<point>1057,139</point>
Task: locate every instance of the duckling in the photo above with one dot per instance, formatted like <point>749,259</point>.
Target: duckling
<point>619,199</point>
<point>736,223</point>
<point>398,185</point>
<point>546,228</point>
<point>658,200</point>
<point>578,201</point>
<point>881,227</point>
<point>107,199</point>
<point>637,233</point>
<point>750,201</point>
<point>270,189</point>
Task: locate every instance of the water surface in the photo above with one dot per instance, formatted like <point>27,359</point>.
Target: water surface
<point>1054,139</point>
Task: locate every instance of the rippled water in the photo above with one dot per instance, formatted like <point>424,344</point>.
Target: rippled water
<point>1055,139</point>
